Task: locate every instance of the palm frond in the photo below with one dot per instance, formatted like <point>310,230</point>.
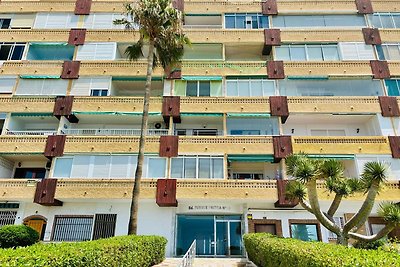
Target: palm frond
<point>134,51</point>
<point>332,168</point>
<point>390,212</point>
<point>374,171</point>
<point>295,190</point>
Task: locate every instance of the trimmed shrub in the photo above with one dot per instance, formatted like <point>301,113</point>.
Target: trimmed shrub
<point>370,245</point>
<point>135,251</point>
<point>17,236</point>
<point>269,251</point>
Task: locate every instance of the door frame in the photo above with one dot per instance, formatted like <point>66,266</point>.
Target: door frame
<point>253,222</point>
<point>37,218</point>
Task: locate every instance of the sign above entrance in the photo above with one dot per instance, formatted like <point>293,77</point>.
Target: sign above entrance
<point>209,208</point>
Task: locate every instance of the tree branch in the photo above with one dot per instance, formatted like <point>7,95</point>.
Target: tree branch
<point>382,233</point>
<point>361,216</point>
<point>306,206</point>
<point>335,205</point>
<point>313,198</point>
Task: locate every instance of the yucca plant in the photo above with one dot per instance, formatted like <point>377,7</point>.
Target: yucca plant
<point>162,39</point>
<point>307,172</point>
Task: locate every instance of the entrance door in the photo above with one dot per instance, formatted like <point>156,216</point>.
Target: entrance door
<point>38,224</point>
<point>214,235</point>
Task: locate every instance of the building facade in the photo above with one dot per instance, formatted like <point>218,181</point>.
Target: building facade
<point>261,80</point>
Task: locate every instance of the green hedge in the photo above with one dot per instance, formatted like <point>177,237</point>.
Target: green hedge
<point>17,236</point>
<point>270,251</point>
<point>135,251</point>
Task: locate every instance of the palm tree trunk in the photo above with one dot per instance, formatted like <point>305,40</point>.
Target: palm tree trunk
<point>361,216</point>
<point>133,216</point>
<point>334,205</point>
<point>314,203</point>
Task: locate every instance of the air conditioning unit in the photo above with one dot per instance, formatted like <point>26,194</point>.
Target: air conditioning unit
<point>158,125</point>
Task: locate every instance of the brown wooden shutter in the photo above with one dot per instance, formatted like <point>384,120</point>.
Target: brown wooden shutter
<point>82,7</point>
<point>166,193</point>
<point>283,202</point>
<point>179,5</point>
<point>77,36</point>
<point>389,106</point>
<point>70,70</point>
<point>380,69</point>
<point>272,37</point>
<point>269,7</point>
<point>279,107</point>
<point>175,74</point>
<point>54,146</point>
<point>275,70</point>
<point>372,36</point>
<point>169,146</point>
<point>45,193</point>
<point>394,142</point>
<point>282,147</point>
<point>171,107</point>
<point>364,7</point>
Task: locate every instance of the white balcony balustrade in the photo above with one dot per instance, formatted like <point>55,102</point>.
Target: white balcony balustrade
<point>31,132</point>
<point>199,132</point>
<point>124,132</point>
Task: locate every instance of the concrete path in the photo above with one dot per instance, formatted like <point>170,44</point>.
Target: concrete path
<point>208,262</point>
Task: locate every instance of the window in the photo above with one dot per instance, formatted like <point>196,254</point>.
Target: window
<point>330,87</point>
<point>104,226</point>
<point>307,52</point>
<point>252,126</point>
<point>393,165</point>
<point>356,51</point>
<point>306,230</point>
<point>203,52</point>
<point>97,51</point>
<point>385,20</point>
<point>97,92</point>
<point>197,167</point>
<point>5,23</point>
<point>7,84</point>
<point>102,21</point>
<point>42,87</point>
<point>72,228</point>
<point>90,86</point>
<point>11,51</point>
<point>250,87</point>
<point>194,87</point>
<point>338,221</point>
<point>105,166</point>
<point>7,217</point>
<point>302,21</point>
<point>27,173</point>
<point>198,88</point>
<point>245,21</point>
<point>393,87</point>
<point>55,21</point>
<point>388,51</point>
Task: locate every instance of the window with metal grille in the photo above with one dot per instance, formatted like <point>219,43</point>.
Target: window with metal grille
<point>72,228</point>
<point>7,217</point>
<point>104,226</point>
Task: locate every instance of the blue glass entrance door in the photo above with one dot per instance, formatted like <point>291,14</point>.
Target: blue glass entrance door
<point>221,239</point>
<point>214,235</point>
<point>191,227</point>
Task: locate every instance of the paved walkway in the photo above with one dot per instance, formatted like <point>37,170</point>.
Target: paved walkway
<point>207,262</point>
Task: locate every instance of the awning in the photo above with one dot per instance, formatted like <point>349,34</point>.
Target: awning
<point>307,77</point>
<point>248,77</point>
<point>203,15</point>
<point>114,113</point>
<point>137,79</point>
<point>32,114</point>
<point>251,158</point>
<point>329,156</point>
<point>187,114</point>
<point>39,76</point>
<point>202,78</point>
<point>257,115</point>
<point>48,44</point>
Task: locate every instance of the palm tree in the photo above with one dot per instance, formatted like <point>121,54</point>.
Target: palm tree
<point>160,28</point>
<point>308,171</point>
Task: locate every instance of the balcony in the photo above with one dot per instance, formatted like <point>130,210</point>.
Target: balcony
<point>385,6</point>
<point>224,104</point>
<point>115,104</point>
<point>113,132</point>
<point>53,68</point>
<point>17,189</point>
<point>321,35</point>
<point>394,68</point>
<point>27,104</point>
<point>341,145</point>
<point>22,144</point>
<point>30,133</point>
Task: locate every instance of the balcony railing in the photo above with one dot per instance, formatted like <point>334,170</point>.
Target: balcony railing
<point>123,132</point>
<point>199,132</point>
<point>35,132</point>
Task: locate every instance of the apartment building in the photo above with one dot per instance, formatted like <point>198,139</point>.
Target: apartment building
<point>260,81</point>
